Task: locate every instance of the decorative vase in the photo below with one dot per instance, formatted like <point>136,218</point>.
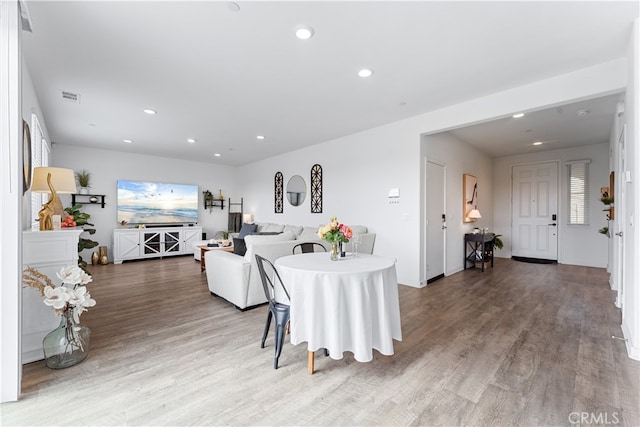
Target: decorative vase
<point>95,258</point>
<point>335,253</point>
<point>84,190</point>
<point>68,344</point>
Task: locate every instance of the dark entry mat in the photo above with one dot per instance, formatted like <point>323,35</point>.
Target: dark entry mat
<point>534,260</point>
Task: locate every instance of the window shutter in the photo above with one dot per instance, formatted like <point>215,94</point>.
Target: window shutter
<point>578,173</point>
<point>39,157</point>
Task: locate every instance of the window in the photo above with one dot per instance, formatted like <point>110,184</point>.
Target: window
<point>578,174</point>
<point>39,157</point>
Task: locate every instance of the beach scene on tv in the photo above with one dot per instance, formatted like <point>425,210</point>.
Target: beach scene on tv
<point>157,203</point>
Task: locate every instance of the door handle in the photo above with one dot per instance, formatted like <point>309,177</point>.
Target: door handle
<point>553,225</point>
<point>619,234</point>
<point>444,227</point>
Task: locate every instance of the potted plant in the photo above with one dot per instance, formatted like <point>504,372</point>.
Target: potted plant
<point>81,219</point>
<point>497,242</point>
<point>83,177</point>
<point>208,199</point>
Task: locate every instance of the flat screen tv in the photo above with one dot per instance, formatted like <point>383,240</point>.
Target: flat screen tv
<point>142,202</point>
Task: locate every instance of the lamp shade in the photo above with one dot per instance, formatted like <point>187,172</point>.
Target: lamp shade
<point>475,214</point>
<point>247,218</point>
<point>63,180</point>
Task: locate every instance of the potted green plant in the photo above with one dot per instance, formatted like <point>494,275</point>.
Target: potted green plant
<point>208,200</point>
<point>84,180</point>
<point>81,219</point>
<point>497,242</point>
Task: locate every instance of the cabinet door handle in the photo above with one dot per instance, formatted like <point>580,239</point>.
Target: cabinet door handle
<point>619,234</point>
<point>553,225</point>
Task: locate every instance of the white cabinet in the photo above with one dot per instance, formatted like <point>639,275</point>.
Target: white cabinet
<point>47,252</point>
<point>153,242</point>
<point>189,237</point>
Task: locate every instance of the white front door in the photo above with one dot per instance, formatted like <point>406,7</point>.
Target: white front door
<point>436,224</point>
<point>534,211</point>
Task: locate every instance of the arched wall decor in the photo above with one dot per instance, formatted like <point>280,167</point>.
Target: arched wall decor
<point>279,192</point>
<point>316,189</point>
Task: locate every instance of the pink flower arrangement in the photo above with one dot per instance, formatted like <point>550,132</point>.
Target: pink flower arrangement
<point>335,232</point>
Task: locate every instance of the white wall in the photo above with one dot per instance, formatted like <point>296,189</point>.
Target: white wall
<point>107,167</point>
<point>631,302</point>
<point>358,172</point>
<point>10,200</point>
<point>577,244</point>
<point>460,158</point>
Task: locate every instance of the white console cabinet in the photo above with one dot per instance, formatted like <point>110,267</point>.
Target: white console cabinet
<point>140,243</point>
<point>47,252</point>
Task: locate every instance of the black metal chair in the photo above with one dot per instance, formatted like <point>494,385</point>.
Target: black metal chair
<point>307,247</point>
<point>280,311</point>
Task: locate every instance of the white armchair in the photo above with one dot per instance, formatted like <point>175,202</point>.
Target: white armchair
<point>236,278</point>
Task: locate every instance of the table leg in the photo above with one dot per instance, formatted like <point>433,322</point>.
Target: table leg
<point>202,267</point>
<point>310,362</point>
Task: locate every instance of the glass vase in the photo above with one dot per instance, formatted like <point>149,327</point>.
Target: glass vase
<point>335,253</point>
<point>68,344</point>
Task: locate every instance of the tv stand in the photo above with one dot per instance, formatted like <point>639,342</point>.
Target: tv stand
<point>156,242</point>
<point>163,225</point>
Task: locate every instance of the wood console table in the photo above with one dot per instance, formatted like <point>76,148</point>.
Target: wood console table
<point>478,248</point>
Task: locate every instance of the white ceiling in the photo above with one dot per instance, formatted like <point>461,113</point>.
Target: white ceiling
<point>223,76</point>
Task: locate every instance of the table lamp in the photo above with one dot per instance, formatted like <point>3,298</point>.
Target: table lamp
<point>52,181</point>
<point>474,215</point>
<point>247,218</point>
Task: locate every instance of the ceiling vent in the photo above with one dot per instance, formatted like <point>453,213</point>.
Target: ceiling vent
<point>71,97</point>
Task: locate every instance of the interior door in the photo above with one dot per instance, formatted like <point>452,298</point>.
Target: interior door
<point>535,211</point>
<point>436,221</point>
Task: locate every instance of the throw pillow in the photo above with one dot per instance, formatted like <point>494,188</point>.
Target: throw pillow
<point>246,230</point>
<point>239,246</point>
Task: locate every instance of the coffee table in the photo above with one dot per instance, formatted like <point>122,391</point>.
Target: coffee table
<point>205,248</point>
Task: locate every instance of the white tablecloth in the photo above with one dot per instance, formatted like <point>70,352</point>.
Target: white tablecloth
<point>346,305</point>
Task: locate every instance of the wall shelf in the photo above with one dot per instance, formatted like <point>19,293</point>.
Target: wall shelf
<point>215,203</point>
<point>88,199</point>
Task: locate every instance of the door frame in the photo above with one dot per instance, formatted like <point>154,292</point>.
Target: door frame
<point>559,203</point>
<point>425,236</point>
<point>620,213</point>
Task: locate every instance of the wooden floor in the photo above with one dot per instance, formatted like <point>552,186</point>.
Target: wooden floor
<point>521,344</point>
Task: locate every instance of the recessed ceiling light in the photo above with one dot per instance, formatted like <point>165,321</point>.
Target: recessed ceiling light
<point>583,113</point>
<point>261,137</point>
<point>217,154</point>
<point>304,32</point>
<point>191,140</point>
<point>537,143</point>
<point>517,116</point>
<point>234,7</point>
<point>128,141</point>
<point>365,72</point>
<point>150,111</point>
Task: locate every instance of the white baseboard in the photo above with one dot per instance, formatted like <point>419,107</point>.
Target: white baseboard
<point>632,350</point>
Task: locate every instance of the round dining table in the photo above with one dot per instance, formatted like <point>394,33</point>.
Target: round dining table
<point>346,305</point>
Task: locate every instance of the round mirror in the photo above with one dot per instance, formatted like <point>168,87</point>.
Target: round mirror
<point>296,190</point>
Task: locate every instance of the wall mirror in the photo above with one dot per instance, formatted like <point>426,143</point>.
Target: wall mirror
<point>296,190</point>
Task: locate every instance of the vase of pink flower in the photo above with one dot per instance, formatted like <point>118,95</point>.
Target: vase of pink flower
<point>335,233</point>
<point>68,344</point>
